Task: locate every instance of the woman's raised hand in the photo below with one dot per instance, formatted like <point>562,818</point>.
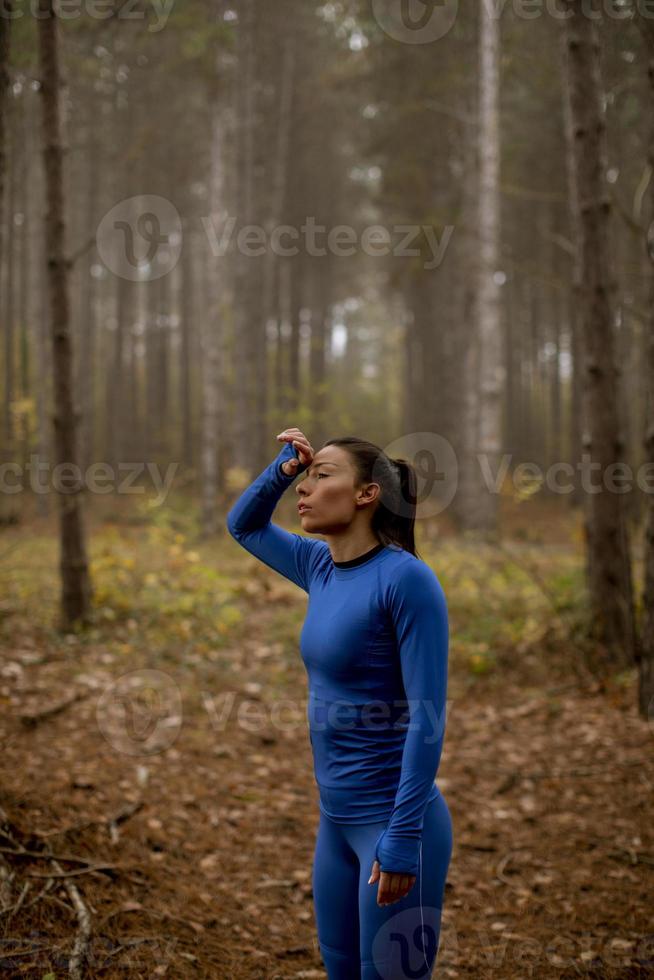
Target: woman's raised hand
<point>303,447</point>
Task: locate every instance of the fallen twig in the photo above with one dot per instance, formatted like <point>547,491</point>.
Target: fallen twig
<point>46,888</point>
<point>73,874</point>
<point>84,920</point>
<point>12,909</point>
<point>633,857</point>
<point>6,878</point>
<point>45,855</point>
<point>34,719</point>
<point>125,812</point>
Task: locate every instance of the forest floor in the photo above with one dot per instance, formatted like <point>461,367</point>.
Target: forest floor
<point>157,772</point>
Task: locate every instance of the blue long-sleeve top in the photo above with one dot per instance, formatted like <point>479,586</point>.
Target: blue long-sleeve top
<point>375,645</point>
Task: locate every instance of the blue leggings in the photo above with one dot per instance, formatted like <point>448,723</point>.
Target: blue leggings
<point>359,939</point>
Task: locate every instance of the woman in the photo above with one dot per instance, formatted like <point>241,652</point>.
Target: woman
<point>375,644</point>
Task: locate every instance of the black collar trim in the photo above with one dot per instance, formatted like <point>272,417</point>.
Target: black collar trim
<point>360,558</point>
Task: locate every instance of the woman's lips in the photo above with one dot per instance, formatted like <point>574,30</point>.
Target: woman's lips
<point>302,508</point>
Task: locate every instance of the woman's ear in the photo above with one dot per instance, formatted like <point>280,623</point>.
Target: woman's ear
<point>368,493</point>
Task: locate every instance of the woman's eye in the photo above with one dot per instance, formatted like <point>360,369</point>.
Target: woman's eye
<point>322,474</point>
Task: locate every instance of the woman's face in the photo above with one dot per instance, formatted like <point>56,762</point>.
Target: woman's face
<point>329,491</point>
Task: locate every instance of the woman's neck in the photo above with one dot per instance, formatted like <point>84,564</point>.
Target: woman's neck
<point>345,549</point>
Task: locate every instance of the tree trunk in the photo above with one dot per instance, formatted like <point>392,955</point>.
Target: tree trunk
<point>5,47</point>
<point>608,557</point>
<point>76,584</point>
<point>115,389</point>
<point>488,312</point>
<point>212,339</point>
<point>44,367</point>
<point>8,299</point>
<point>576,351</point>
<point>279,177</point>
<point>23,291</point>
<point>466,500</point>
<point>8,503</point>
<point>278,357</point>
<point>246,323</point>
<point>87,314</point>
<point>187,294</point>
<point>320,312</point>
<point>646,657</point>
<point>296,266</point>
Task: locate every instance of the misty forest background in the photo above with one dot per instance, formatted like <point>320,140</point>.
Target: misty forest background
<point>525,146</point>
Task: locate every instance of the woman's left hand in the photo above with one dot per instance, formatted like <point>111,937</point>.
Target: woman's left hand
<point>392,886</point>
<point>303,447</point>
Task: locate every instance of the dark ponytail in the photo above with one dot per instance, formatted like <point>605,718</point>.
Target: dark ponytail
<point>394,517</point>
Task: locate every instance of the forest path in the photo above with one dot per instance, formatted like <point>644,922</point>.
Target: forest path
<point>189,768</point>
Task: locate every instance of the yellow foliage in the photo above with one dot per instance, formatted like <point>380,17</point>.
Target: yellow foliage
<point>23,411</point>
<point>237,478</point>
<point>229,616</point>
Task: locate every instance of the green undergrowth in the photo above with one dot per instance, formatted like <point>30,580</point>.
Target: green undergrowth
<point>162,596</point>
